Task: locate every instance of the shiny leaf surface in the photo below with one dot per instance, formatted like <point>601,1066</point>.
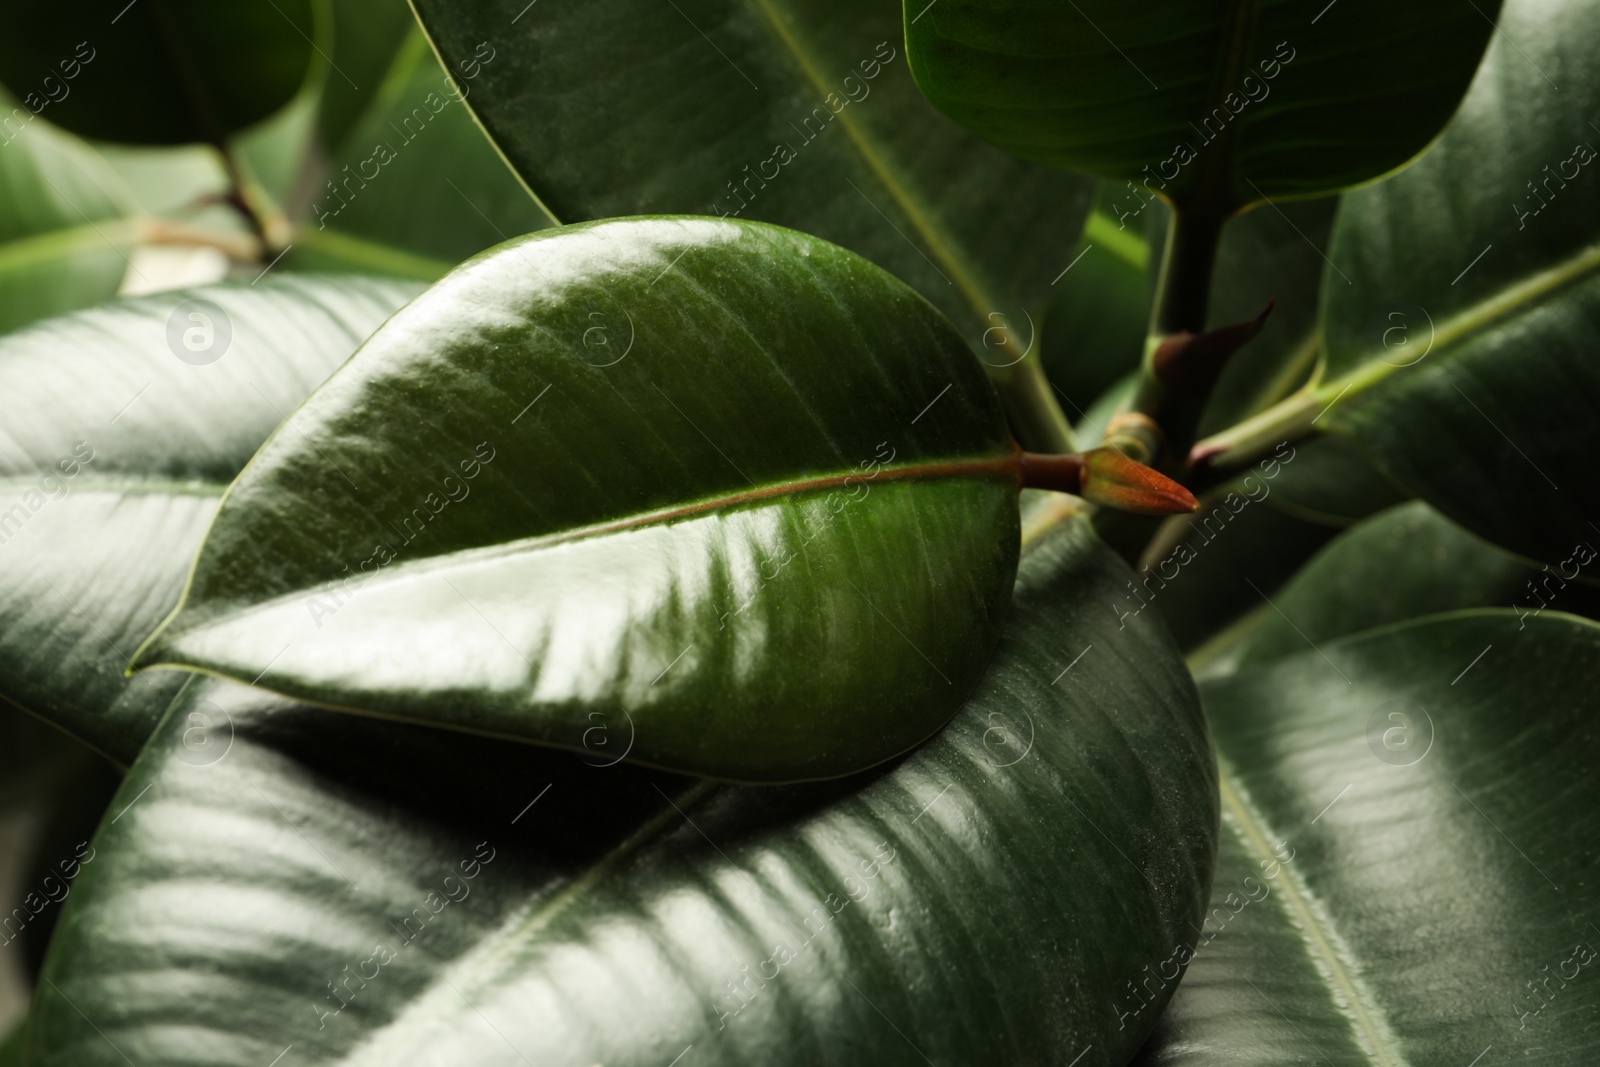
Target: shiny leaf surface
<point>1025,861</point>
<point>116,452</point>
<point>657,467</point>
<point>1407,863</point>
<point>1223,104</point>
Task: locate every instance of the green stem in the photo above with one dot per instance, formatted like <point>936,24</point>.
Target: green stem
<point>1036,418</point>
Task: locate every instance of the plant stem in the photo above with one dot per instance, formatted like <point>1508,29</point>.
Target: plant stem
<point>1036,418</point>
<point>1182,297</point>
<point>240,196</point>
<point>1186,266</point>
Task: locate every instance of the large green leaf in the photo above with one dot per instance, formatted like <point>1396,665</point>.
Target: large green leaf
<point>1213,103</point>
<point>157,71</point>
<point>414,188</point>
<point>972,904</point>
<point>116,452</point>
<point>1463,356</point>
<point>666,467</point>
<point>1408,871</point>
<point>799,112</point>
<point>65,229</point>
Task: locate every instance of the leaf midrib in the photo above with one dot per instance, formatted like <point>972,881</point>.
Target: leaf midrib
<point>1006,466</point>
<point>972,290</point>
<point>1507,302</point>
<point>1366,1017</point>
<point>1293,414</point>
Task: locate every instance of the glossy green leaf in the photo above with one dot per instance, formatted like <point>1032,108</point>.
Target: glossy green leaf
<point>799,112</point>
<point>1015,869</point>
<point>664,467</point>
<point>1221,104</point>
<point>416,146</point>
<point>1496,426</point>
<point>65,230</point>
<point>116,452</point>
<point>1407,873</point>
<point>157,71</point>
<point>1462,356</point>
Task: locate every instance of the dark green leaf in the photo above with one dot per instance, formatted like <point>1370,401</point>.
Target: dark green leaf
<point>115,454</point>
<point>1496,428</point>
<point>1223,104</point>
<point>1433,784</point>
<point>1334,482</point>
<point>666,467</point>
<point>1404,563</point>
<point>157,71</point>
<point>1462,356</point>
<point>1014,870</point>
<point>799,112</point>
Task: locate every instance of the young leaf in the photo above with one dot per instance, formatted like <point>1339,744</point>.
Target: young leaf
<point>1016,869</point>
<point>1370,786</point>
<point>659,467</point>
<point>122,431</point>
<point>157,71</point>
<point>1213,104</point>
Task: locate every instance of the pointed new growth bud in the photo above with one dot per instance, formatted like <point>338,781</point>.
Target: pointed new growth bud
<point>1113,479</point>
<point>1191,363</point>
<point>1106,476</point>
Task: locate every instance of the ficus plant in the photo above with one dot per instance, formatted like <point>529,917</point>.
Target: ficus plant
<point>793,532</point>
